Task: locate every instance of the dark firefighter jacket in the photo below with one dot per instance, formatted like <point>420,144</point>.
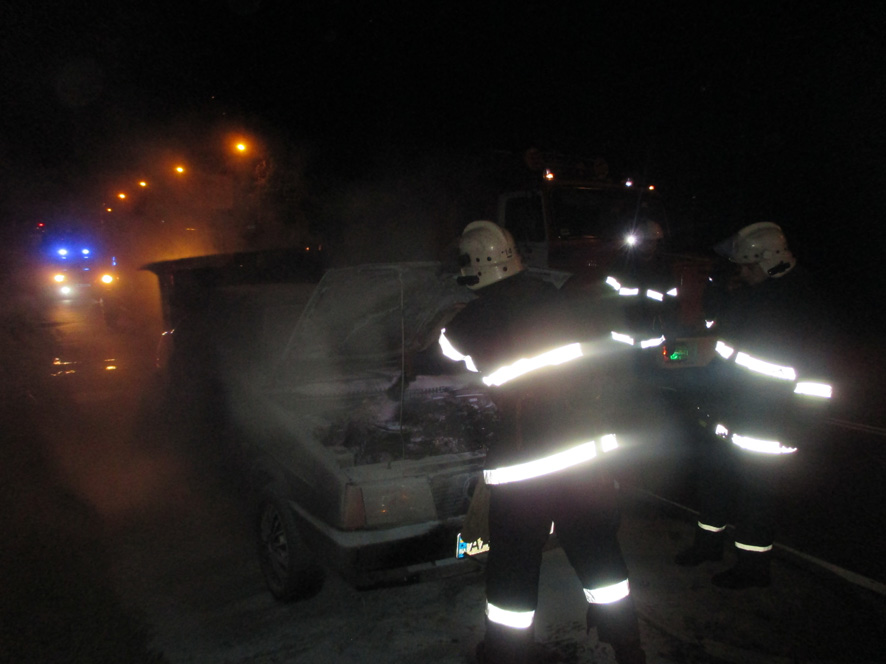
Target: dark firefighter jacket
<point>769,373</point>
<point>548,409</point>
<point>646,292</point>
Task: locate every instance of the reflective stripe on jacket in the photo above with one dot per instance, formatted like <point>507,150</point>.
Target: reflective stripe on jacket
<point>522,340</point>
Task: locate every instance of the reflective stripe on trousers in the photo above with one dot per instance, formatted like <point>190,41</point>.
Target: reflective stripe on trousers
<point>711,529</point>
<point>751,548</point>
<point>523,619</point>
<point>506,618</point>
<point>608,594</point>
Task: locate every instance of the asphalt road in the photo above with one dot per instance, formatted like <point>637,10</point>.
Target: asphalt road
<point>131,539</point>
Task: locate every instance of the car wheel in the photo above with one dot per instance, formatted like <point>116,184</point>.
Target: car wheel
<point>290,570</point>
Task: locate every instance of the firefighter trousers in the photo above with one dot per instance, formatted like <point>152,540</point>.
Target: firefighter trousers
<point>739,485</point>
<point>582,503</point>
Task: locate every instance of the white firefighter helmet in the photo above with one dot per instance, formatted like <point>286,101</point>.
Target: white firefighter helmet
<point>644,231</point>
<point>487,254</point>
<point>763,243</point>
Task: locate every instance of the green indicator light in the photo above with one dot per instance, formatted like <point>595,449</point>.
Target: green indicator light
<point>678,355</point>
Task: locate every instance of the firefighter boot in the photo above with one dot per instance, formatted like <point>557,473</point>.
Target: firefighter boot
<point>618,626</point>
<point>506,645</point>
<point>708,546</point>
<point>751,570</point>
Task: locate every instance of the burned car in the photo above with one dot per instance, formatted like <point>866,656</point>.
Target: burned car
<point>361,443</point>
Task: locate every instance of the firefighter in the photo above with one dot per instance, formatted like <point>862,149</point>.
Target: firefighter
<point>645,284</point>
<point>643,290</point>
<point>757,393</point>
<point>545,468</point>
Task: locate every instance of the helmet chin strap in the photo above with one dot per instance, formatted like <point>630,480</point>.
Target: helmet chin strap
<point>778,269</point>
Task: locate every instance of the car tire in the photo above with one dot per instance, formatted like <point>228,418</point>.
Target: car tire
<point>290,570</point>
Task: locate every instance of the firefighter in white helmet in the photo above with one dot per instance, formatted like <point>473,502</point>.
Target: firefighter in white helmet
<point>643,283</point>
<point>767,375</point>
<point>547,464</point>
<point>761,250</point>
<point>643,291</point>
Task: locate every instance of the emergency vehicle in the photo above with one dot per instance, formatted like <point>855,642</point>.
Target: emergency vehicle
<point>75,267</point>
<point>573,216</point>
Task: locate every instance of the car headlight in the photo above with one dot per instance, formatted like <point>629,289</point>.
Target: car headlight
<point>408,500</point>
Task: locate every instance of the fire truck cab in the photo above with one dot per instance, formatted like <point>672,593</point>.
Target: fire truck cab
<point>575,224</point>
<point>574,218</point>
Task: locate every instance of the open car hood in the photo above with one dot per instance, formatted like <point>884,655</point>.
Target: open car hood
<point>366,317</point>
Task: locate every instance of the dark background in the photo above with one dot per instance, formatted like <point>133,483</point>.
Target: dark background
<point>739,112</point>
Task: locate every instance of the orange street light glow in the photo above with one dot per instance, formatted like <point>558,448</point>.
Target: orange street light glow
<point>142,184</point>
<point>121,195</point>
<point>180,169</point>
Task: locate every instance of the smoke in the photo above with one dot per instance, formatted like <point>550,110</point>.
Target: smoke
<point>408,208</point>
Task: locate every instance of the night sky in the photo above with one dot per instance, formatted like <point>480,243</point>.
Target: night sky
<point>740,111</point>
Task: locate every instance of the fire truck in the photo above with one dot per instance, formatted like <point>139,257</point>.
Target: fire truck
<point>572,216</point>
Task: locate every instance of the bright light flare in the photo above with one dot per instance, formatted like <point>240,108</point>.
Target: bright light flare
<point>107,279</point>
<point>59,278</point>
